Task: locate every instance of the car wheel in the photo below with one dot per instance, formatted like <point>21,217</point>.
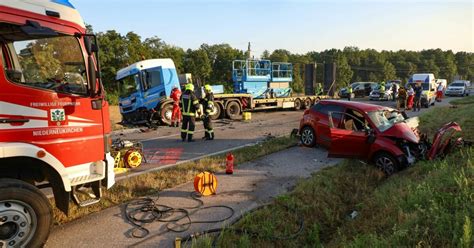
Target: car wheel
<point>386,163</point>
<point>25,214</point>
<point>308,136</point>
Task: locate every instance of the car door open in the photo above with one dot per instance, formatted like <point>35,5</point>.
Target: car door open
<point>349,136</point>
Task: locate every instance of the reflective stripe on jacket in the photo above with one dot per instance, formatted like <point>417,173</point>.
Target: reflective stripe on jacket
<point>189,103</point>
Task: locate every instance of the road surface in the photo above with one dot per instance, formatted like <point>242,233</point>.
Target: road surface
<point>163,147</point>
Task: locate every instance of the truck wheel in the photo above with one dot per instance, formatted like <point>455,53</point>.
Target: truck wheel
<point>25,215</point>
<point>307,103</point>
<point>386,163</point>
<point>297,104</point>
<point>216,113</point>
<point>165,113</point>
<point>233,110</point>
<point>308,137</point>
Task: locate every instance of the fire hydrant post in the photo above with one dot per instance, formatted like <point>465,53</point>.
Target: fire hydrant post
<point>229,167</point>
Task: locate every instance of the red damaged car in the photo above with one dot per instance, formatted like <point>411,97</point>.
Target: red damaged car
<point>371,133</point>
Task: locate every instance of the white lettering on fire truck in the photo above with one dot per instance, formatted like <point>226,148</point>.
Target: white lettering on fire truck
<point>56,131</point>
<point>54,104</point>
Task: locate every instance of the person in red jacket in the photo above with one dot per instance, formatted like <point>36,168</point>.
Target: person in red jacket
<point>176,116</point>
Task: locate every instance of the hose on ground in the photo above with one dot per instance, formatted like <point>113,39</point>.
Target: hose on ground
<point>146,210</point>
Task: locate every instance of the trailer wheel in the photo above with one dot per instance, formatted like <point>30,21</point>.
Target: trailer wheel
<point>165,113</point>
<point>233,110</point>
<point>297,104</point>
<point>217,112</point>
<point>307,103</point>
<point>25,215</point>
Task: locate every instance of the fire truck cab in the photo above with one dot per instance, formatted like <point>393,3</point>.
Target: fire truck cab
<point>54,120</point>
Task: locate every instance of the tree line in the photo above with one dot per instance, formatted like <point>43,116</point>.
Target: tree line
<point>213,63</point>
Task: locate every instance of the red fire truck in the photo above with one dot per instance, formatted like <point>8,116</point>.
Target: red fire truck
<point>54,121</point>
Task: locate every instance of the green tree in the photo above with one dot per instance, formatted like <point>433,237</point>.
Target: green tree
<point>197,63</point>
<point>388,71</point>
<point>280,55</point>
<point>465,65</point>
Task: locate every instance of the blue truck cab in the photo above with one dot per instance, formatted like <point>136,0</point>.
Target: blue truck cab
<point>145,89</point>
<point>262,78</point>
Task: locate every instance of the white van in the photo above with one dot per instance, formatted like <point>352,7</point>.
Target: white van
<point>428,82</point>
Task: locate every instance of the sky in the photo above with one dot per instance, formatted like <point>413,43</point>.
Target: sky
<point>299,26</point>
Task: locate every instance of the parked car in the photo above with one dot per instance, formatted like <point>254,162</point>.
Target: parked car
<point>375,93</point>
<point>343,93</point>
<point>458,88</point>
<point>359,89</point>
<point>368,132</point>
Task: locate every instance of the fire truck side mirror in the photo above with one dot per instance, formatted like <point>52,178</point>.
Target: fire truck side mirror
<point>92,82</point>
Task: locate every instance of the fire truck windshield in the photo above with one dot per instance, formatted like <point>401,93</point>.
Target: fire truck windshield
<point>54,63</point>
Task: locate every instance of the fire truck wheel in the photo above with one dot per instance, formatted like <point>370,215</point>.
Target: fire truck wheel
<point>233,110</point>
<point>165,114</point>
<point>25,215</point>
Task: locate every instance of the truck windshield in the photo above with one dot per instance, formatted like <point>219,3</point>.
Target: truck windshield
<point>457,84</point>
<point>55,63</point>
<point>129,85</point>
<point>385,119</point>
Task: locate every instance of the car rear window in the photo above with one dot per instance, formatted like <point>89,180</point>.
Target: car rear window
<point>326,108</point>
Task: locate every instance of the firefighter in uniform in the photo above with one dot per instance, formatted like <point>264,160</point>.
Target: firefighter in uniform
<point>189,106</point>
<point>208,106</point>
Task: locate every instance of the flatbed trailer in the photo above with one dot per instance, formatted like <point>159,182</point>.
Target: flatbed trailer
<point>232,105</point>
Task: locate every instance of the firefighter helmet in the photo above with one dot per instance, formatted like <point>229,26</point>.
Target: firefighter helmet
<point>189,86</point>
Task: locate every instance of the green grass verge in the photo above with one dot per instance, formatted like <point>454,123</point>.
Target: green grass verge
<point>430,204</point>
<point>154,182</point>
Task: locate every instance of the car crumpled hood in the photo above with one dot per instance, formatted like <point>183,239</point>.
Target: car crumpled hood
<point>440,141</point>
<point>404,131</point>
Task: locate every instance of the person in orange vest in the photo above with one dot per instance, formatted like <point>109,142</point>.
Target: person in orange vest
<point>411,95</point>
<point>176,115</point>
<point>439,92</point>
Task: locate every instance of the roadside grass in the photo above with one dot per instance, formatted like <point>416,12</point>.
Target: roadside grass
<point>430,204</point>
<point>464,100</point>
<point>154,182</point>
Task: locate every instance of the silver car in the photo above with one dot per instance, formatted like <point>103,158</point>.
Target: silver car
<point>457,88</point>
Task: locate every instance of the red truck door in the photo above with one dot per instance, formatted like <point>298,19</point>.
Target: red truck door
<point>44,85</point>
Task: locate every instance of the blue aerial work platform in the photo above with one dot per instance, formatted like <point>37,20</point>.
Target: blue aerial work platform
<point>259,77</point>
